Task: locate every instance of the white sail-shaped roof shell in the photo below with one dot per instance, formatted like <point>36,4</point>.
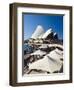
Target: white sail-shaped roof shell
<point>54,34</point>
<point>39,31</point>
<point>41,36</point>
<point>49,31</point>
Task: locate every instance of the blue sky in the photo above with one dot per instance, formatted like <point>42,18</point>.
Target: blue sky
<point>31,21</point>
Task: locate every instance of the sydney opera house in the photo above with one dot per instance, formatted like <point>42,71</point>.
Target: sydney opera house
<point>43,52</point>
<point>39,35</point>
